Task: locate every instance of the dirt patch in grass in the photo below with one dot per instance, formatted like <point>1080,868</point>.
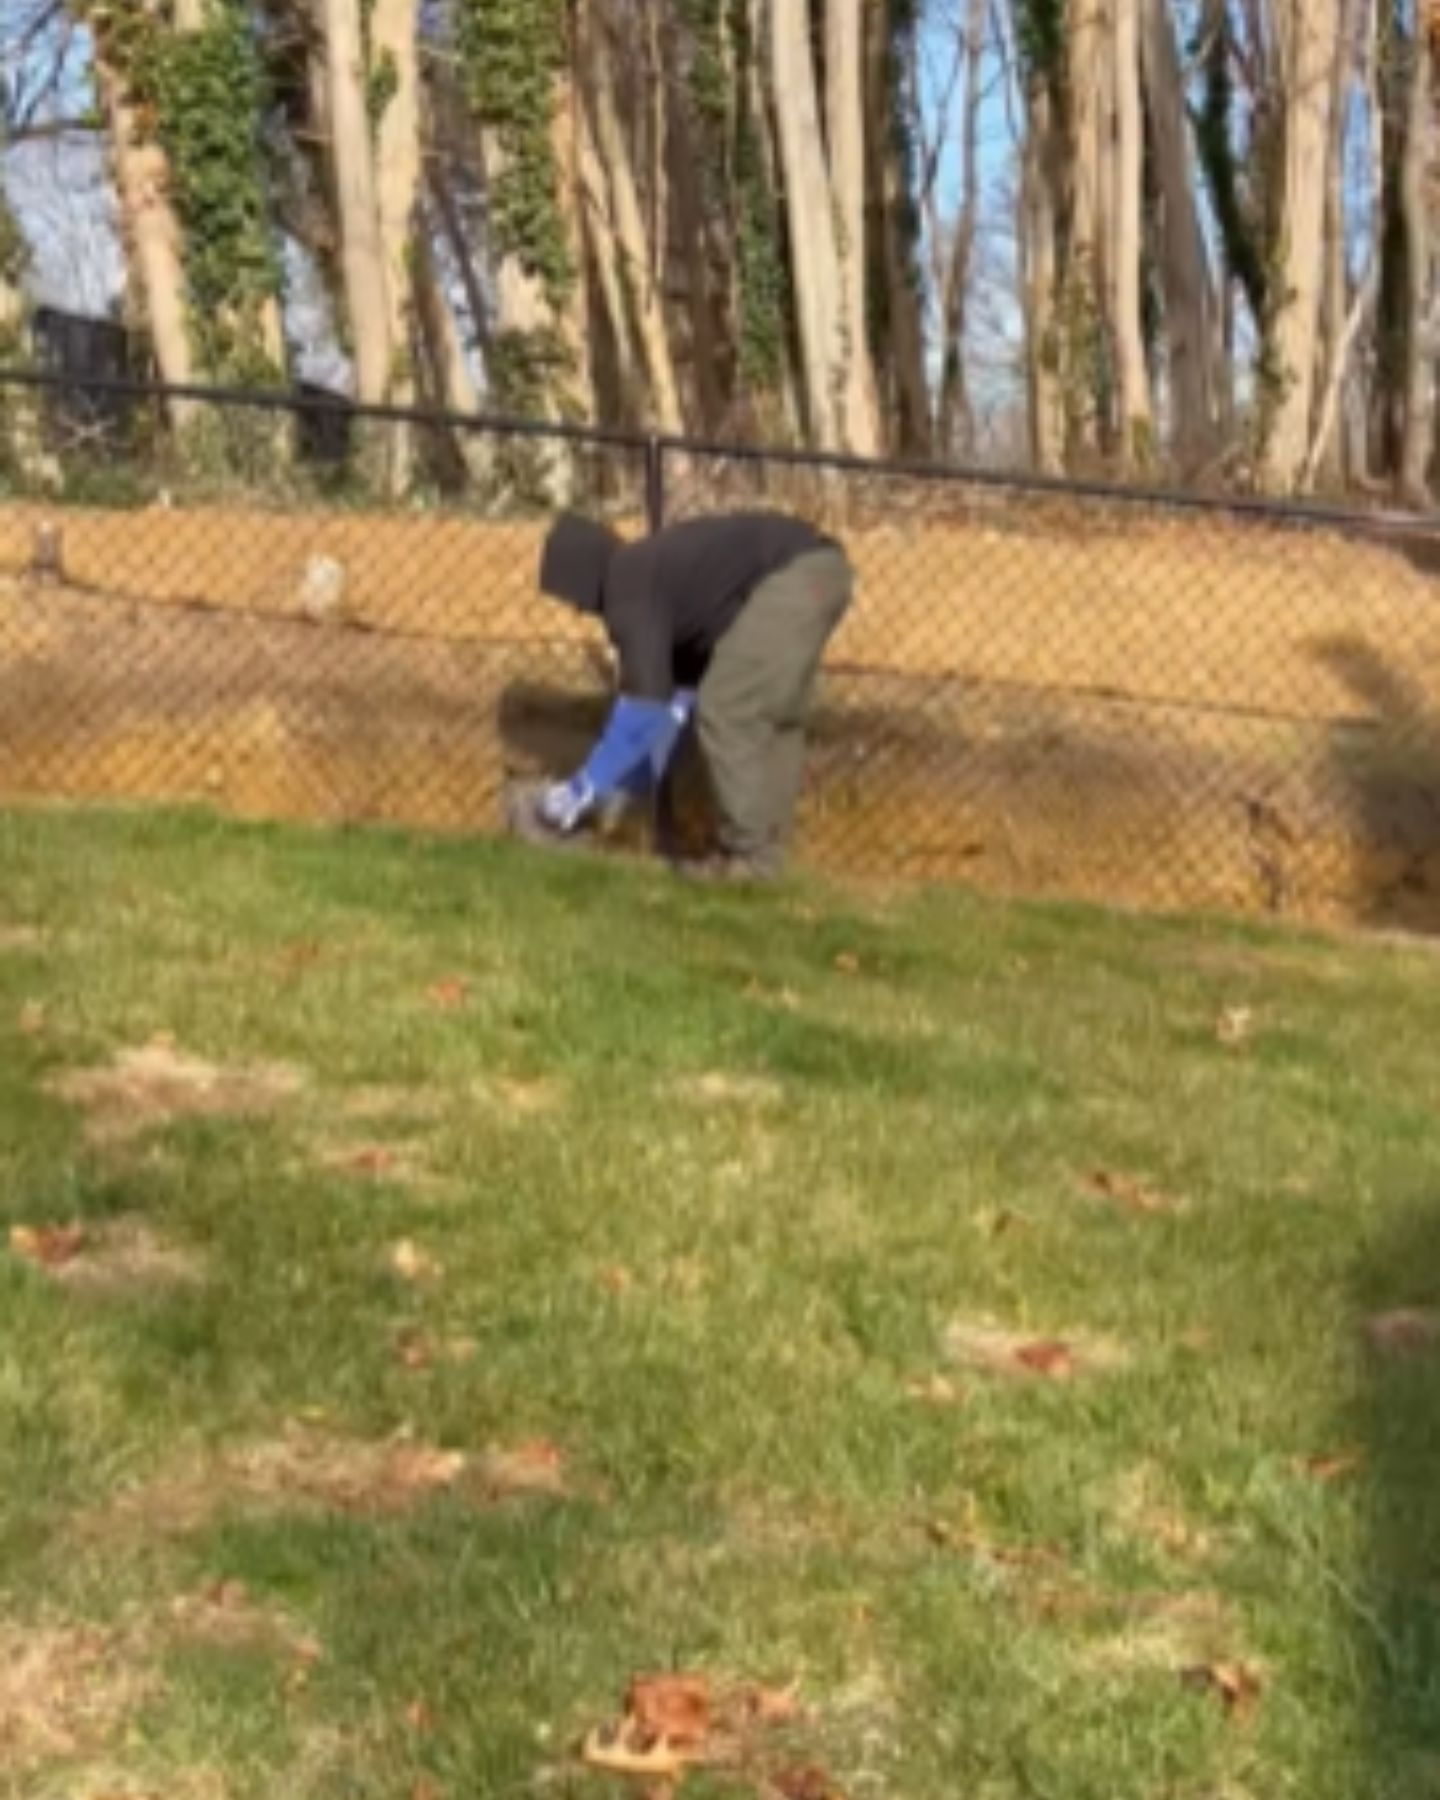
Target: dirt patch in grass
<point>398,1164</point>
<point>156,1084</point>
<point>719,1087</point>
<point>110,1257</point>
<point>991,1349</point>
<point>381,1104</point>
<point>525,1096</point>
<point>66,1692</point>
<point>1175,1632</point>
<point>306,1470</point>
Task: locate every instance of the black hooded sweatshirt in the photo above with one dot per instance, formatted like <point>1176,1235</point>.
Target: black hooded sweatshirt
<point>667,600</point>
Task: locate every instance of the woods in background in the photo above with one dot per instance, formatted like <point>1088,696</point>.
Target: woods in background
<point>1157,239</point>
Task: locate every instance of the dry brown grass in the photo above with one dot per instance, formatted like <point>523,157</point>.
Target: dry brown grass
<point>156,1084</point>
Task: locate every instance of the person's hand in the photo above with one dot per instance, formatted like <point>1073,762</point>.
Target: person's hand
<point>538,814</point>
<point>564,804</point>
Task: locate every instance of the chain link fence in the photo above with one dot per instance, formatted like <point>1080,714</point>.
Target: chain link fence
<point>296,608</point>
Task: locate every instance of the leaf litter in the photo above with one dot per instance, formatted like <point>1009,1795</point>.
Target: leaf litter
<point>109,1257</point>
<point>992,1349</point>
<point>308,1470</point>
<point>675,1723</point>
<point>1406,1332</point>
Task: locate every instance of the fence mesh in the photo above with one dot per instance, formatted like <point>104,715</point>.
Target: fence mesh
<point>291,611</point>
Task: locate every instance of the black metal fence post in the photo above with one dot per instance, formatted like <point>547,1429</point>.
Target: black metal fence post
<point>654,483</point>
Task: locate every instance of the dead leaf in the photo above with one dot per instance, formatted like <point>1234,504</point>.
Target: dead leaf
<point>767,1706</point>
<point>295,957</point>
<point>806,1782</point>
<point>363,1159</point>
<point>411,1263</point>
<point>49,1246</point>
<point>448,995</point>
<point>674,1707</point>
<point>1236,1686</point>
<point>995,1350</point>
<point>1235,1026</point>
<point>413,1350</point>
<point>618,1750</point>
<point>1130,1192</point>
<point>1049,1357</point>
<point>1408,1331</point>
<point>1332,1468</point>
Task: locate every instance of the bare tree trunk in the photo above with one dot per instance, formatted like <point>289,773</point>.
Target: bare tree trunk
<point>902,298</point>
<point>1084,316</point>
<point>955,425</point>
<point>1043,358</point>
<point>814,260</point>
<point>455,386</point>
<point>1307,41</point>
<point>632,239</point>
<point>352,162</point>
<point>150,232</point>
<point>1127,172</point>
<point>845,134</point>
<point>1189,286</point>
<point>396,137</point>
<point>600,243</point>
<point>1417,444</point>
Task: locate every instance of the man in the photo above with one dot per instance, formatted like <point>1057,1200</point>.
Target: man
<point>726,616</point>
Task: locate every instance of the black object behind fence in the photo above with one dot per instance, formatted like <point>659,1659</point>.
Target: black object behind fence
<point>287,605</point>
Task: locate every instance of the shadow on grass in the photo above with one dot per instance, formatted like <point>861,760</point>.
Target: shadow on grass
<point>1398,1615</point>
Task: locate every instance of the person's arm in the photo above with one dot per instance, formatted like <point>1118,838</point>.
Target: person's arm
<point>644,723</point>
<point>631,755</point>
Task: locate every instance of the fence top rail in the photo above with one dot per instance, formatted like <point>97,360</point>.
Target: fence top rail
<point>1302,514</point>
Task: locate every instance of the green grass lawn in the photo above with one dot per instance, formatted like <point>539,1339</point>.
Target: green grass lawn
<point>696,1223</point>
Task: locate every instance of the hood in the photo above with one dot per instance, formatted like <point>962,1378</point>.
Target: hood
<point>572,566</point>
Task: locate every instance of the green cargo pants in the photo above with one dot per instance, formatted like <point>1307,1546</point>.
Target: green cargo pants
<point>755,698</point>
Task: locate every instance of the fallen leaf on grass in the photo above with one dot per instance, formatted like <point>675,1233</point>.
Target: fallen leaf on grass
<point>1332,1468</point>
<point>674,1707</point>
<point>1235,1686</point>
<point>411,1263</point>
<point>1130,1192</point>
<point>1235,1026</point>
<point>49,1246</point>
<point>994,1350</point>
<point>1408,1331</point>
<point>673,1723</point>
<point>362,1159</point>
<point>806,1782</point>
<point>448,995</point>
